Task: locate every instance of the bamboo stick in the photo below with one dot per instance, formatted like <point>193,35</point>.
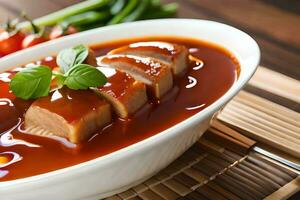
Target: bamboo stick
<point>210,193</point>
<point>272,121</point>
<point>268,107</point>
<point>262,123</point>
<point>225,193</point>
<point>286,191</point>
<point>232,133</point>
<point>261,135</point>
<point>277,83</point>
<point>149,195</point>
<point>165,192</point>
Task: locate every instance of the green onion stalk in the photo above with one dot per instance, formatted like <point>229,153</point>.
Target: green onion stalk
<point>95,13</point>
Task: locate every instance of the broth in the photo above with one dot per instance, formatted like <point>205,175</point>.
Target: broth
<point>199,87</point>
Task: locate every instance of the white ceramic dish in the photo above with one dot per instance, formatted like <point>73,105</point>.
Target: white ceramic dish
<point>127,167</point>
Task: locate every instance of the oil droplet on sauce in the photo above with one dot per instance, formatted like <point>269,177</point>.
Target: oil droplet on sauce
<point>9,158</point>
<point>161,45</point>
<point>7,139</point>
<point>195,107</point>
<point>5,77</point>
<point>49,58</point>
<point>6,102</point>
<point>199,63</point>
<point>3,173</point>
<point>3,160</point>
<point>192,82</point>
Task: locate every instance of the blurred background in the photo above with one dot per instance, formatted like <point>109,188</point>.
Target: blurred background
<point>275,24</point>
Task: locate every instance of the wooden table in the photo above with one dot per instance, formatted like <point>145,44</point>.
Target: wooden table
<point>274,24</point>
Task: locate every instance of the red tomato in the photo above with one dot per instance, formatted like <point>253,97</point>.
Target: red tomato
<point>32,39</point>
<point>57,32</point>
<point>10,43</point>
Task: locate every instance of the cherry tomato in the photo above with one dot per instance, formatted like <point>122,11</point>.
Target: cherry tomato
<point>10,42</point>
<point>57,32</point>
<point>32,39</point>
<point>36,37</point>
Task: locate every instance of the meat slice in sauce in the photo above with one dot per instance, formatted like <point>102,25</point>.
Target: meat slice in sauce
<point>72,114</point>
<point>154,73</point>
<point>173,54</point>
<point>91,58</point>
<point>123,92</point>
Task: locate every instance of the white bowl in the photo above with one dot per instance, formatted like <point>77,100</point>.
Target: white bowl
<point>130,166</point>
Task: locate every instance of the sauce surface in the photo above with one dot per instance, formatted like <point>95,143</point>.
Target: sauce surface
<point>211,72</point>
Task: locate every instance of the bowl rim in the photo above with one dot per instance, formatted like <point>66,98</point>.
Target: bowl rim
<point>161,136</point>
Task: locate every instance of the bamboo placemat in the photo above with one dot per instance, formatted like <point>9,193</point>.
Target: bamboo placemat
<point>211,171</point>
<point>222,164</point>
<point>264,121</point>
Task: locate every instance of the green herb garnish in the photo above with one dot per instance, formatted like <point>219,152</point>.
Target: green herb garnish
<point>34,81</point>
<point>83,76</point>
<point>68,58</point>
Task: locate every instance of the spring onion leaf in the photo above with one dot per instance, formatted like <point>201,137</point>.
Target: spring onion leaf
<point>117,6</point>
<point>138,11</point>
<point>164,11</point>
<point>85,19</point>
<point>55,17</point>
<point>131,5</point>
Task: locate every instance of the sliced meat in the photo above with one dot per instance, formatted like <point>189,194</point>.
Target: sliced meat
<point>91,58</point>
<point>72,114</point>
<point>173,54</point>
<point>124,93</point>
<point>155,74</point>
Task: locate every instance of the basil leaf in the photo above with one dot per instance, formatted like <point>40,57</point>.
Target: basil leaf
<point>83,76</point>
<point>68,58</point>
<point>59,78</point>
<point>32,82</point>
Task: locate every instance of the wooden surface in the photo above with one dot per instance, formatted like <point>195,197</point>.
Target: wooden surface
<point>217,167</point>
<point>274,24</point>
